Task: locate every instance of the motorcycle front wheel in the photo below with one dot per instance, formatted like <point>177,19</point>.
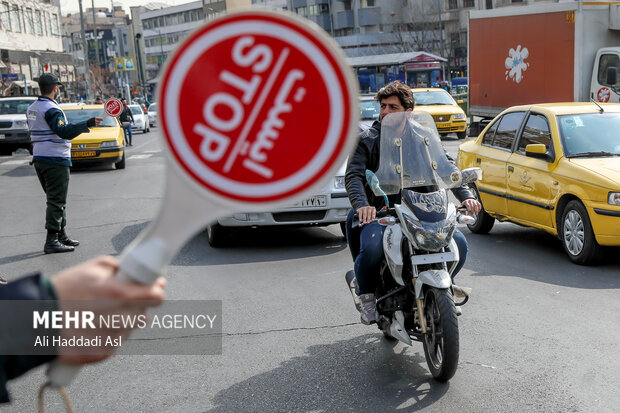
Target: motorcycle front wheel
<point>441,342</point>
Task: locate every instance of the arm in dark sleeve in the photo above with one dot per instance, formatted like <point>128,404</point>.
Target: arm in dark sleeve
<point>462,192</point>
<point>11,366</point>
<point>131,115</point>
<point>56,121</point>
<point>355,176</point>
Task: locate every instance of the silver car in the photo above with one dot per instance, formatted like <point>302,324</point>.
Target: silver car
<point>327,207</point>
<point>140,119</point>
<point>152,113</point>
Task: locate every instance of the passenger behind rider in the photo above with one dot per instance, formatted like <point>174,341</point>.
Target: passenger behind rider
<point>366,243</point>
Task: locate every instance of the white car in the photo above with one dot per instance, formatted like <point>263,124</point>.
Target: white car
<point>152,112</point>
<point>14,133</point>
<point>141,119</point>
<point>327,207</point>
<point>369,111</point>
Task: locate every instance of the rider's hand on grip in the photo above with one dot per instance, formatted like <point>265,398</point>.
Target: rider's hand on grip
<point>366,214</point>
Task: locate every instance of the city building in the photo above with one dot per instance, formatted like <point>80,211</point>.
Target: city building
<point>31,44</point>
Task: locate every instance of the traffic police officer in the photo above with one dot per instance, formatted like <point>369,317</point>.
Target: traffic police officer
<point>51,146</point>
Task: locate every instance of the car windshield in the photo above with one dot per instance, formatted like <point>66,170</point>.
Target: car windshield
<point>136,110</point>
<point>81,115</point>
<point>369,109</point>
<point>431,97</point>
<point>11,107</point>
<point>590,134</point>
<point>153,107</point>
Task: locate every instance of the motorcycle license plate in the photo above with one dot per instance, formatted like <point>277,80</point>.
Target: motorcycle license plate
<point>315,201</point>
<point>2,136</point>
<point>83,154</point>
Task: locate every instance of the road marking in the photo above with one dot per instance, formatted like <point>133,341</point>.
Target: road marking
<point>140,156</point>
<point>19,162</point>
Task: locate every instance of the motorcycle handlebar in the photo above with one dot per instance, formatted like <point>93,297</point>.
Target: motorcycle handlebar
<point>383,212</point>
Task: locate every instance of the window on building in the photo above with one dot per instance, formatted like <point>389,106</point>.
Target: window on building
<point>146,24</point>
<point>452,4</point>
<point>29,22</point>
<point>48,24</point>
<point>455,39</point>
<point>489,4</point>
<point>4,16</point>
<point>517,1</point>
<point>302,11</point>
<point>38,23</point>
<point>367,3</point>
<point>55,29</point>
<point>312,10</point>
<point>16,19</point>
<point>347,4</point>
<point>469,3</point>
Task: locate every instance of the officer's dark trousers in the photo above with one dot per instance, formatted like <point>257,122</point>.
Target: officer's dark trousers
<point>55,182</point>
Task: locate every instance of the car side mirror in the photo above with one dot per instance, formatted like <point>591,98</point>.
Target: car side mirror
<point>538,151</point>
<point>470,175</point>
<point>612,75</point>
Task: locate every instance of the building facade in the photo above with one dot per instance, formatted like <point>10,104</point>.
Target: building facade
<point>31,44</point>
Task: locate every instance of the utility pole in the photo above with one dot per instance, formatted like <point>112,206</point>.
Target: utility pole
<point>95,35</point>
<point>85,53</point>
<point>443,47</point>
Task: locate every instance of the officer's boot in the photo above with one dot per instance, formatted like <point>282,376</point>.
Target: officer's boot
<point>52,245</point>
<point>65,240</point>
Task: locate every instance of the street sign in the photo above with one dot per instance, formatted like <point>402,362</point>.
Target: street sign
<point>113,107</point>
<point>258,110</point>
<point>10,77</point>
<point>123,64</point>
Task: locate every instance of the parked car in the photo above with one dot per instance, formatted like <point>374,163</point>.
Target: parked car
<point>103,144</point>
<point>448,115</point>
<point>328,206</point>
<point>14,133</point>
<point>141,119</point>
<point>152,113</point>
<point>555,167</point>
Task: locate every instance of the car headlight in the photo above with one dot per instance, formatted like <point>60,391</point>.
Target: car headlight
<point>339,182</point>
<point>20,124</point>
<point>614,198</point>
<point>459,116</point>
<point>107,144</point>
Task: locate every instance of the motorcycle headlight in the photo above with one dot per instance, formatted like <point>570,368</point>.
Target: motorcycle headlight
<point>20,124</point>
<point>433,238</point>
<point>339,182</point>
<point>614,198</point>
<point>459,116</point>
<point>107,144</point>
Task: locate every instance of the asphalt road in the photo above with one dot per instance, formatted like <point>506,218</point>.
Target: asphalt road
<point>539,334</point>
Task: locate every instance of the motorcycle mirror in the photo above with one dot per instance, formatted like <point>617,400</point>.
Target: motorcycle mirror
<point>373,182</point>
<point>470,175</point>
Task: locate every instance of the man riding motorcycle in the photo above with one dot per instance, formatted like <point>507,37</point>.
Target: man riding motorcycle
<point>365,242</point>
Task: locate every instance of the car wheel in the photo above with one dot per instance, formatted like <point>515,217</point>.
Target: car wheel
<point>461,135</point>
<point>577,235</point>
<point>484,222</point>
<point>217,235</point>
<point>120,164</point>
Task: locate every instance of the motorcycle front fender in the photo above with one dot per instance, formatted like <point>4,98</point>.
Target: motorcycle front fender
<point>433,278</point>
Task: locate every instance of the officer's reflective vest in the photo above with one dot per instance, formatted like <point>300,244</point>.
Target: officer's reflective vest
<point>44,141</point>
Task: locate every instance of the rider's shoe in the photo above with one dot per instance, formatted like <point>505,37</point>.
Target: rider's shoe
<point>369,309</point>
<point>458,310</point>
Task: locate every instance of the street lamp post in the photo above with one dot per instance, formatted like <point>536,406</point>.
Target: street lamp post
<point>96,40</point>
<point>85,53</point>
<point>140,72</point>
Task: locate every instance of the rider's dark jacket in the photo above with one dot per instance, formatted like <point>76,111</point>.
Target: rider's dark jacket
<point>366,156</point>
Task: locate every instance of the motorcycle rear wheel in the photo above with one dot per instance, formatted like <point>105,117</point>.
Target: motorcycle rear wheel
<point>441,342</point>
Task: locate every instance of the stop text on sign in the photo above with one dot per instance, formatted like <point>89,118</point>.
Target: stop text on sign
<point>215,144</point>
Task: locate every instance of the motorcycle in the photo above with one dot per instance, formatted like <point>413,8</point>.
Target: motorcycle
<point>415,294</point>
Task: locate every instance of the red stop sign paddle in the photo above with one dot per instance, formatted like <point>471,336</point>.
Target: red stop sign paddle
<point>258,109</point>
<point>113,107</point>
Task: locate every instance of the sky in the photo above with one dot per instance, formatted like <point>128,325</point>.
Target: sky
<point>73,6</point>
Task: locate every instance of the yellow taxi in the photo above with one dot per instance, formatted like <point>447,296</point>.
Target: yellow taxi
<point>448,115</point>
<point>103,144</point>
<point>555,167</point>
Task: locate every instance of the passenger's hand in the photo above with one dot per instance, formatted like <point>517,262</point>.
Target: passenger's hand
<point>94,282</point>
<point>473,206</point>
<point>367,214</point>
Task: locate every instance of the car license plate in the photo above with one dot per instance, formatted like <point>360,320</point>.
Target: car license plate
<point>442,125</point>
<point>2,136</point>
<point>83,154</point>
<point>315,201</point>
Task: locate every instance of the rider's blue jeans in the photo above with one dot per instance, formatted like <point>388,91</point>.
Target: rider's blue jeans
<point>366,246</point>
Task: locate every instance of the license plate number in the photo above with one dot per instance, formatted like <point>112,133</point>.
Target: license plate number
<point>315,201</point>
<point>83,154</point>
<point>2,136</point>
<point>443,125</point>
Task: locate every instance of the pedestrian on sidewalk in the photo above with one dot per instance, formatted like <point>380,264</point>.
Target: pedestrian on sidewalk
<point>126,118</point>
<point>51,136</point>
